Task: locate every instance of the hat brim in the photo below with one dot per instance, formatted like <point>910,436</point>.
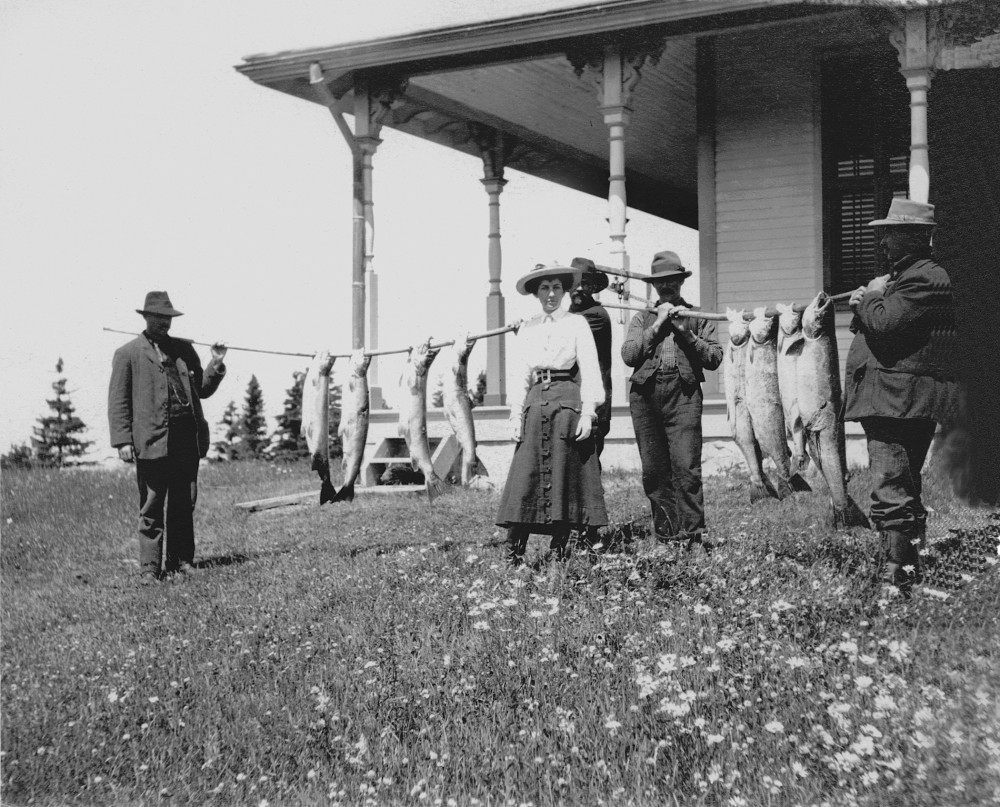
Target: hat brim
<point>667,275</point>
<point>170,312</point>
<point>898,223</point>
<point>549,271</point>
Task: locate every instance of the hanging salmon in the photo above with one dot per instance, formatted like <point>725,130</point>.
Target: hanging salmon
<point>354,423</point>
<point>316,420</point>
<point>764,401</point>
<point>458,406</point>
<point>789,350</point>
<point>820,402</point>
<point>734,374</point>
<point>413,416</point>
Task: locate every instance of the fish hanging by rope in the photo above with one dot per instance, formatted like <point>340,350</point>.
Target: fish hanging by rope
<point>458,405</point>
<point>764,401</point>
<point>820,401</point>
<point>353,429</point>
<point>413,416</point>
<point>734,361</point>
<point>789,351</point>
<point>316,420</point>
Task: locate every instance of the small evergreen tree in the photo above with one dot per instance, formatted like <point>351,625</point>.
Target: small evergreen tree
<point>479,393</point>
<point>336,410</point>
<point>253,423</point>
<point>19,457</point>
<point>228,447</point>
<point>288,444</point>
<point>56,442</point>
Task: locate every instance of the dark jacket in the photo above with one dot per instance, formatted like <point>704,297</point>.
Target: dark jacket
<point>138,406</point>
<point>701,353</point>
<point>903,362</point>
<point>600,326</point>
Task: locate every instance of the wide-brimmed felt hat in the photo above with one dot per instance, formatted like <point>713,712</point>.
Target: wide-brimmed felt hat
<point>158,302</point>
<point>544,270</point>
<point>906,212</point>
<point>597,278</point>
<point>666,264</point>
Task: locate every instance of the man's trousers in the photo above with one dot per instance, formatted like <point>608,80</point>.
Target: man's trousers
<point>666,417</point>
<point>168,490</point>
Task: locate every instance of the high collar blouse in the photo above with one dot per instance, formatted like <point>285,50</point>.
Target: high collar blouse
<point>556,341</point>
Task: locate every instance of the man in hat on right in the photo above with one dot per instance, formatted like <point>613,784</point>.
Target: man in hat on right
<point>670,354</point>
<point>901,379</point>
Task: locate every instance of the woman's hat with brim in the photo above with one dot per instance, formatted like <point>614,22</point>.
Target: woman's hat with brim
<point>158,302</point>
<point>906,213</point>
<point>598,280</point>
<point>666,264</point>
<point>546,270</point>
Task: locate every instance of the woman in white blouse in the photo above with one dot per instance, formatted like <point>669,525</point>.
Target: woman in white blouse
<point>554,482</point>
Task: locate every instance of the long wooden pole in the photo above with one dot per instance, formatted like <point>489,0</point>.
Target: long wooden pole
<point>717,317</point>
<point>437,345</point>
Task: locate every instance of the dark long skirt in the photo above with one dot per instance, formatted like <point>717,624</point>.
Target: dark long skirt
<point>554,480</point>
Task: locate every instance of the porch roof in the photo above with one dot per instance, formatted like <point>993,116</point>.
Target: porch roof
<point>513,76</point>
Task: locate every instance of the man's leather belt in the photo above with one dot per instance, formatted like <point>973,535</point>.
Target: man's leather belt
<point>547,375</point>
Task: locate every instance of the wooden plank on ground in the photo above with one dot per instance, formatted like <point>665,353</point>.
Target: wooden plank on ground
<point>302,498</point>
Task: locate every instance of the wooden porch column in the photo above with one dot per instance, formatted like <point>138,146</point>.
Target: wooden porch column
<point>494,147</point>
<point>368,146</point>
<point>615,97</point>
<point>917,47</point>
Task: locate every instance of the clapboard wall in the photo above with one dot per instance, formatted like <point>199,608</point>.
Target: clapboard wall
<point>768,168</point>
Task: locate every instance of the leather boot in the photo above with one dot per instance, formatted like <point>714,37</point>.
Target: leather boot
<point>517,543</point>
<point>559,547</point>
<point>902,567</point>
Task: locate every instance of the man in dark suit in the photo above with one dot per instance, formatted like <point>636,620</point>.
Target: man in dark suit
<point>156,420</point>
<point>902,379</point>
<point>670,354</point>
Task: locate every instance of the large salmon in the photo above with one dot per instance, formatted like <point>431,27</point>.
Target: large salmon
<point>413,415</point>
<point>734,374</point>
<point>764,400</point>
<point>354,423</point>
<point>458,406</point>
<point>789,350</point>
<point>820,402</point>
<point>316,420</point>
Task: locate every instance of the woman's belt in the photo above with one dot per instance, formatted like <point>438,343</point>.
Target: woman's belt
<point>547,375</point>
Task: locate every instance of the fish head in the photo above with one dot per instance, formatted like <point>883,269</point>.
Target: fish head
<point>739,328</point>
<point>818,316</point>
<point>324,362</point>
<point>762,327</point>
<point>421,357</point>
<point>463,345</point>
<point>359,363</point>
<point>789,320</point>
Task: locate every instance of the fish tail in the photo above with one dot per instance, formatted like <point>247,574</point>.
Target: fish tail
<point>850,516</point>
<point>782,488</point>
<point>798,483</point>
<point>435,487</point>
<point>762,490</point>
<point>327,492</point>
<point>345,494</point>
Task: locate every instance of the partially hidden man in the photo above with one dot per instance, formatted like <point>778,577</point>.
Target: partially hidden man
<point>670,354</point>
<point>902,380</point>
<point>582,302</point>
<point>156,420</point>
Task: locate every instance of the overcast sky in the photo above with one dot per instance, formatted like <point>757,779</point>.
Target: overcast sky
<point>134,157</point>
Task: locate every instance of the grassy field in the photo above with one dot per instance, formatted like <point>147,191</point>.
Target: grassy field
<point>380,653</point>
